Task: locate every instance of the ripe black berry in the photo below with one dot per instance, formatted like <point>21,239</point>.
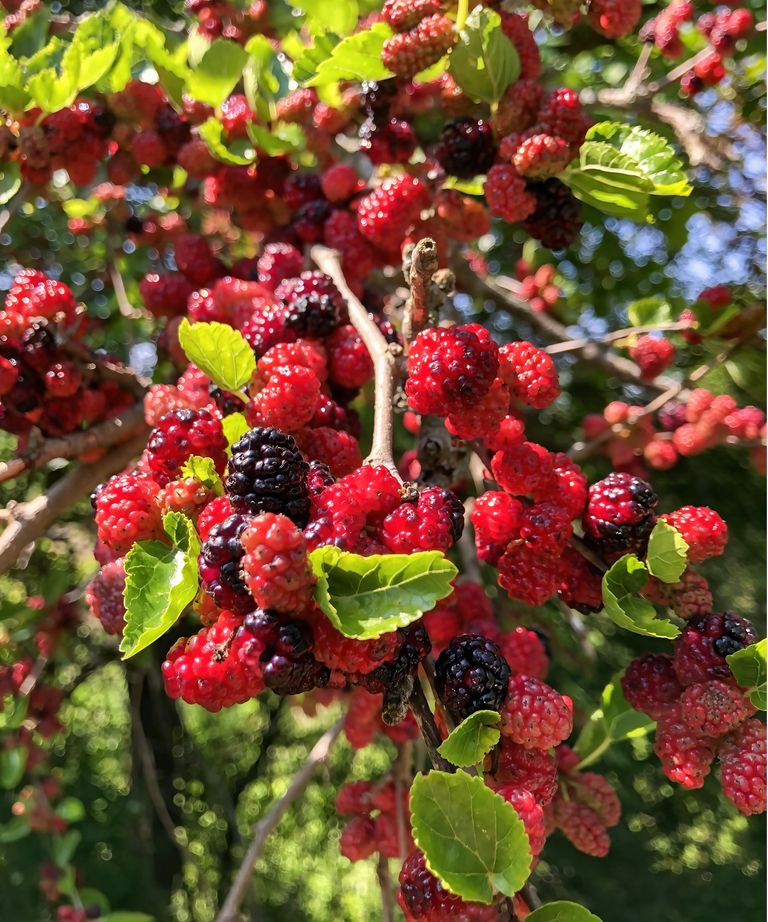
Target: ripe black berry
<point>219,562</point>
<point>268,474</point>
<point>471,675</point>
<point>466,148</point>
<point>556,222</point>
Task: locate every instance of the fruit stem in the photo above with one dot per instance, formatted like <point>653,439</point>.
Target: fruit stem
<point>595,754</point>
<point>461,14</point>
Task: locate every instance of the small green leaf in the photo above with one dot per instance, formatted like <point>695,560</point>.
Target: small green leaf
<point>306,65</point>
<point>562,911</point>
<point>365,597</point>
<point>647,311</point>
<point>218,72</point>
<point>10,181</point>
<point>667,555</point>
<point>357,57</point>
<point>13,712</point>
<point>610,181</point>
<point>16,828</point>
<point>484,62</point>
<point>467,186</point>
<point>339,17</point>
<point>70,809</point>
<point>239,153</point>
<point>220,352</point>
<point>160,581</point>
<point>204,470</point>
<point>126,917</point>
<point>614,721</point>
<point>30,35</point>
<point>623,606</point>
<point>12,765</point>
<point>472,839</point>
<point>284,138</point>
<point>235,425</point>
<point>749,669</point>
<point>474,736</point>
<point>263,77</point>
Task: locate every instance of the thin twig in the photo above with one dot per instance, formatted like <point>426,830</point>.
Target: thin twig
<point>108,370</point>
<point>32,677</point>
<point>422,265</point>
<point>148,769</point>
<point>118,286</point>
<point>574,345</point>
<point>104,435</point>
<point>428,728</point>
<point>382,355</point>
<point>230,910</point>
<point>403,775</point>
<point>30,520</point>
<point>385,885</point>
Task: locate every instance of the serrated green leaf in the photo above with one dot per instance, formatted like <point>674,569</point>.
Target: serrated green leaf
<point>652,153</point>
<point>562,911</point>
<point>235,425</point>
<point>365,597</point>
<point>749,669</point>
<point>339,17</point>
<point>219,351</point>
<point>263,77</point>
<point>53,91</point>
<point>625,608</point>
<point>667,555</point>
<point>10,181</point>
<point>474,736</point>
<point>218,72</point>
<point>204,470</point>
<point>160,581</point>
<point>472,839</point>
<point>357,57</point>
<point>12,764</point>
<point>610,181</point>
<point>239,153</point>
<point>647,311</point>
<point>484,62</point>
<point>306,65</point>
<point>98,46</point>
<point>614,721</point>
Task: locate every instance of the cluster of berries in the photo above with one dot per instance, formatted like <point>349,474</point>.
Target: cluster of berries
<point>378,822</point>
<point>75,139</point>
<point>722,28</point>
<point>632,439</point>
<point>42,384</point>
<point>538,286</point>
<point>701,711</point>
<point>234,21</point>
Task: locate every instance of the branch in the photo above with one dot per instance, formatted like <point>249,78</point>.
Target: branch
<point>382,355</point>
<point>30,520</point>
<point>428,728</point>
<point>574,345</point>
<point>106,434</point>
<point>118,286</point>
<point>385,884</point>
<point>503,293</point>
<point>419,266</point>
<point>319,753</point>
<point>106,369</point>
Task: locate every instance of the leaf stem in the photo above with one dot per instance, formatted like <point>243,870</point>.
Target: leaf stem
<point>595,754</point>
<point>461,14</point>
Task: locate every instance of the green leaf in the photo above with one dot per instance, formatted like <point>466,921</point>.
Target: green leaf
<point>10,181</point>
<point>652,153</point>
<point>204,470</point>
<point>220,352</point>
<point>365,597</point>
<point>263,77</point>
<point>217,74</point>
<point>284,138</point>
<point>98,46</point>
<point>160,581</point>
<point>239,153</point>
<point>484,62</point>
<point>339,17</point>
<point>472,839</point>
<point>749,669</point>
<point>610,181</point>
<point>126,917</point>
<point>667,555</point>
<point>306,65</point>
<point>474,736</point>
<point>13,93</point>
<point>30,35</point>
<point>12,765</point>
<point>357,57</point>
<point>562,911</point>
<point>647,311</point>
<point>234,425</point>
<point>16,828</point>
<point>13,712</point>
<point>623,606</point>
<point>614,721</point>
<point>70,809</point>
<point>467,186</point>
